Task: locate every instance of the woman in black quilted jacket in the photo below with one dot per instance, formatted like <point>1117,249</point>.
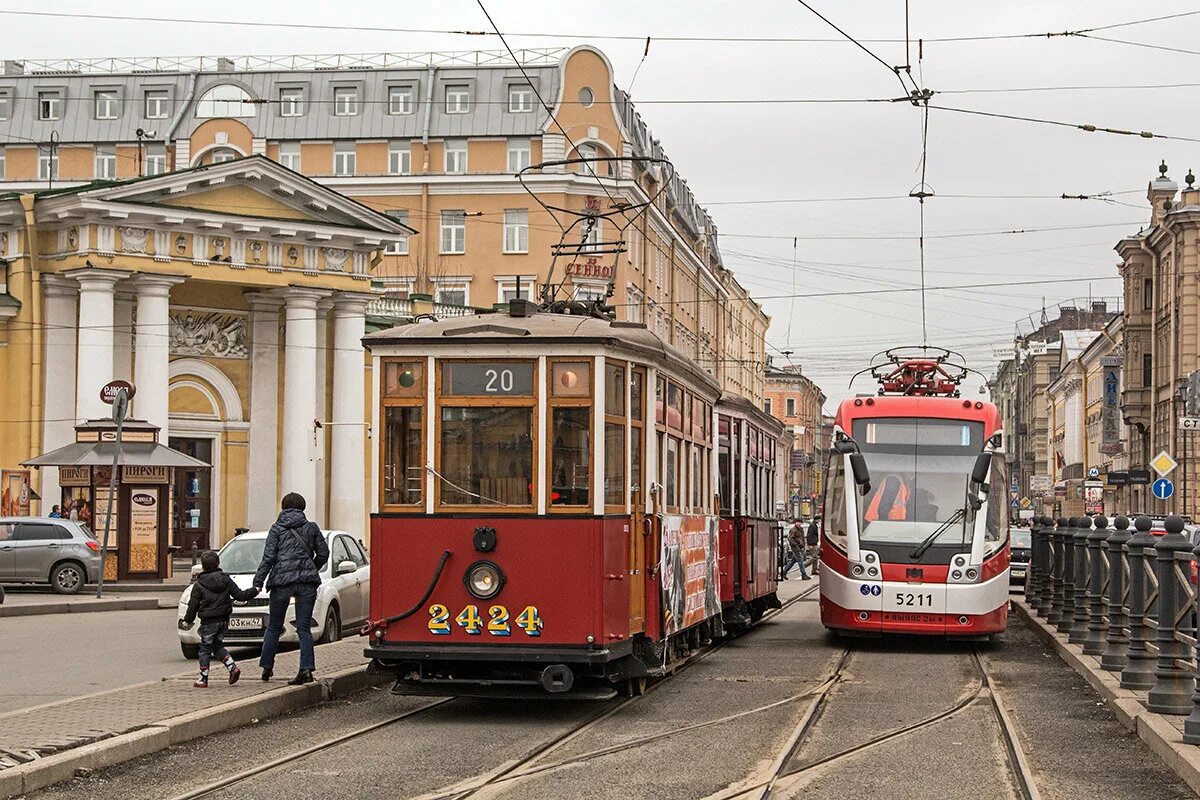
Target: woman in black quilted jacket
<point>291,567</point>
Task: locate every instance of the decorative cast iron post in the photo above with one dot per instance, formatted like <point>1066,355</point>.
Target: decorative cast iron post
<point>1139,672</point>
<point>1093,643</point>
<point>1066,533</point>
<point>1079,544</point>
<point>1115,657</point>
<point>1173,686</point>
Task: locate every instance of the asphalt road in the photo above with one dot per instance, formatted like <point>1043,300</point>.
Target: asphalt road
<point>58,656</point>
<point>711,731</point>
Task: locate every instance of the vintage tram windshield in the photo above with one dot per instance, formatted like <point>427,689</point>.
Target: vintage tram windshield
<point>920,470</point>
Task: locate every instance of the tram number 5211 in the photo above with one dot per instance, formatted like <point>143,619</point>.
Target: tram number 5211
<point>910,599</point>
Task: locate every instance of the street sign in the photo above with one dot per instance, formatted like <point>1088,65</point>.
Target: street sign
<point>1025,502</point>
<point>1189,423</point>
<point>1163,488</point>
<point>1139,477</point>
<point>1163,464</point>
<point>1118,478</point>
<point>1094,472</point>
<point>108,393</point>
<point>1039,483</point>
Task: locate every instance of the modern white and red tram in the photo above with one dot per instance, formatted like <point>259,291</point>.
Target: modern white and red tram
<point>915,534</point>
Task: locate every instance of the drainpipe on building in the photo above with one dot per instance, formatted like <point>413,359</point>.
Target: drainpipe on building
<point>1149,441</point>
<point>1176,273</point>
<point>31,293</point>
<point>179,115</point>
<point>425,124</point>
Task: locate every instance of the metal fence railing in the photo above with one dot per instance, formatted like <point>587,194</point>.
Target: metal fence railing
<point>1127,597</point>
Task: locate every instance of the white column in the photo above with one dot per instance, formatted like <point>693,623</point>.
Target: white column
<point>318,508</point>
<point>60,296</point>
<point>152,344</point>
<point>95,359</point>
<point>347,484</point>
<point>262,482</point>
<point>299,397</point>
<point>123,335</point>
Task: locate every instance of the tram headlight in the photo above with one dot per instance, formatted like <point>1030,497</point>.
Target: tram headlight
<point>972,574</point>
<point>484,579</point>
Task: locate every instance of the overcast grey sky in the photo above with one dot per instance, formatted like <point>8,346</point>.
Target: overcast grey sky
<point>777,150</point>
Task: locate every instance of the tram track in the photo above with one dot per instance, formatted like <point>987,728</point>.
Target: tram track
<point>511,770</point>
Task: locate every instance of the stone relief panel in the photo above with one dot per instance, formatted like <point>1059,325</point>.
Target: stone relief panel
<point>201,332</point>
<point>133,240</point>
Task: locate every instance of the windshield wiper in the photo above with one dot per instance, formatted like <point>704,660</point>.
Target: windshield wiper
<point>933,537</point>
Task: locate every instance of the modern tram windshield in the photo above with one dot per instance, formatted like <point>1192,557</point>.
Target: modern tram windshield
<point>920,471</point>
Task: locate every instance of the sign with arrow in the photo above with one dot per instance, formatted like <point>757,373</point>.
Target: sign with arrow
<point>1163,488</point>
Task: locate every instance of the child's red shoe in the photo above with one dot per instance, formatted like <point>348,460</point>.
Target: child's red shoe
<point>234,674</point>
<point>200,685</point>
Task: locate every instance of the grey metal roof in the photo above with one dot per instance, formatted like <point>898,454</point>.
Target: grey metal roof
<point>488,114</point>
<point>99,454</point>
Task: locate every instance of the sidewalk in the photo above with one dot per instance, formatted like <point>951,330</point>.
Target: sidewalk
<point>46,744</point>
<point>24,604</point>
<point>1163,732</point>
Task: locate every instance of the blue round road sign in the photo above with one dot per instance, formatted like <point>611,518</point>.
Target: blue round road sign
<point>1163,488</point>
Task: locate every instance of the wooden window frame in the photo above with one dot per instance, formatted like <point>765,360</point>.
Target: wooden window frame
<point>623,420</point>
<point>417,400</point>
<point>583,401</point>
<point>474,401</point>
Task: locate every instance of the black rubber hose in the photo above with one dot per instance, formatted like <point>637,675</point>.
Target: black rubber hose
<point>437,576</point>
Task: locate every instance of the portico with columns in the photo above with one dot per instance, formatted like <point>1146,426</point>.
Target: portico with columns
<point>234,297</point>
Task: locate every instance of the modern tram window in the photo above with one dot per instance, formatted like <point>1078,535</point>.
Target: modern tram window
<point>994,531</point>
<point>835,500</point>
<point>919,473</point>
<point>403,474</point>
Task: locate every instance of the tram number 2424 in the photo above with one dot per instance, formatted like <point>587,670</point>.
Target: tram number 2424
<point>497,623</point>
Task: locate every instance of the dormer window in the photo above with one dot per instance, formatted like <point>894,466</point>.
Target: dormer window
<point>520,99</point>
<point>225,100</point>
<point>158,104</point>
<point>5,105</point>
<point>345,101</point>
<point>458,99</point>
<point>49,105</point>
<point>400,100</point>
<point>106,104</point>
<point>291,102</point>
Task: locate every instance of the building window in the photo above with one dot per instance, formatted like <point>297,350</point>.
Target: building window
<point>156,159</point>
<point>223,154</point>
<point>520,99</point>
<point>509,292</point>
<point>400,248</point>
<point>1147,370</point>
<point>400,100</point>
<point>5,105</point>
<point>516,230</point>
<point>106,104</point>
<point>2,173</point>
<point>106,161</point>
<point>588,293</point>
<point>452,294</point>
<point>518,154</point>
<point>456,157</point>
<point>47,163</point>
<point>585,167</point>
<point>158,104</point>
<point>49,105</point>
<point>791,407</point>
<point>589,240</point>
<point>458,99</point>
<point>343,158</point>
<point>399,158</point>
<point>454,232</point>
<point>291,102</point>
<point>225,100</point>
<point>289,155</point>
<point>767,405</point>
<point>345,101</point>
<point>1147,294</point>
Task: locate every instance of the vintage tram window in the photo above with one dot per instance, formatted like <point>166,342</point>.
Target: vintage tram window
<point>671,472</point>
<point>739,499</point>
<point>403,379</point>
<point>724,468</point>
<point>637,450</point>
<point>614,464</point>
<point>486,455</point>
<point>660,400</point>
<point>698,477</point>
<point>699,418</point>
<point>614,389</point>
<point>571,456</point>
<point>403,473</point>
<point>674,406</point>
<point>571,379</point>
<point>637,393</point>
<point>487,379</point>
<point>637,411</point>
<point>685,417</point>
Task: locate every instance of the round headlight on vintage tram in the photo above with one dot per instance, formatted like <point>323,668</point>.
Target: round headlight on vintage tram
<point>484,579</point>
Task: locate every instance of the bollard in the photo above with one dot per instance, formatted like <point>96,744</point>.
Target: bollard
<point>1079,543</point>
<point>1191,726</point>
<point>1093,643</point>
<point>1033,576</point>
<point>1173,687</point>
<point>1139,672</point>
<point>1058,572</point>
<point>1046,585</point>
<point>1115,657</point>
<point>1066,534</point>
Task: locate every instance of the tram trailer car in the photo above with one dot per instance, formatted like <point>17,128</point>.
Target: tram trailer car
<point>915,538</point>
<point>546,519</point>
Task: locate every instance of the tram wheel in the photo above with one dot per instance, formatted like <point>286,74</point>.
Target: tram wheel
<point>635,687</point>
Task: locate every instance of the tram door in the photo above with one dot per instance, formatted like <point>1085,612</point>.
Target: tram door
<point>637,565</point>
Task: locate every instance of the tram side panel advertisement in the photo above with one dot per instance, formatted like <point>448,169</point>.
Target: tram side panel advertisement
<point>690,577</point>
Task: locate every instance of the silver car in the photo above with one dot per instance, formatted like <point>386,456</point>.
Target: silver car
<point>41,550</point>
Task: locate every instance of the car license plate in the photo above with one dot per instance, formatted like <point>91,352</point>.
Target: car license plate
<point>245,623</point>
<point>1018,573</point>
<point>925,619</point>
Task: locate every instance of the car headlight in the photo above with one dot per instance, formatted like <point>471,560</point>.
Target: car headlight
<point>484,579</point>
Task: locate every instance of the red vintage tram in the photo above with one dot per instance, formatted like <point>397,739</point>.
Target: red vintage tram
<point>546,515</point>
<point>915,533</point>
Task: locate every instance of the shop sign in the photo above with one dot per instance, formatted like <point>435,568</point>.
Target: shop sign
<point>14,502</point>
<point>74,476</point>
<point>137,474</point>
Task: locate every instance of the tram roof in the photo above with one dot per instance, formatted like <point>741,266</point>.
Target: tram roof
<point>538,331</point>
<point>929,407</point>
<point>735,402</point>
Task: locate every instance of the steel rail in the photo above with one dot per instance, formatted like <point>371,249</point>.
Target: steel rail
<point>1017,762</point>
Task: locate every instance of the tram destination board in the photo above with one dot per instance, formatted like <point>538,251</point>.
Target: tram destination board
<point>488,378</point>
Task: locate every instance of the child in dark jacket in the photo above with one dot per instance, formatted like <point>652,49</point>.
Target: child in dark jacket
<point>211,600</point>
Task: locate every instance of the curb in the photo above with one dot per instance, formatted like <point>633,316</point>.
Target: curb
<point>1153,729</point>
<point>160,735</point>
<point>83,607</point>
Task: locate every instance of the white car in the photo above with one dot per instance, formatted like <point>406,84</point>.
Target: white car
<point>342,599</point>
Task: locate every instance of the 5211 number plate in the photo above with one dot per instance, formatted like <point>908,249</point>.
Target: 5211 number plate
<point>471,621</point>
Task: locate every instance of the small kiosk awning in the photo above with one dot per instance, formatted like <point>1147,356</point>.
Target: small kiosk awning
<point>100,454</point>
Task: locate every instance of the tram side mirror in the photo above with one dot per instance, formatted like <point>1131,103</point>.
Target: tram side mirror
<point>862,476</point>
<point>983,464</point>
<point>845,446</point>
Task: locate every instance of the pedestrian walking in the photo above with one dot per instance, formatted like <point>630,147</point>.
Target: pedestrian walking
<point>813,539</point>
<point>796,542</point>
<point>55,513</point>
<point>212,601</point>
<point>292,558</point>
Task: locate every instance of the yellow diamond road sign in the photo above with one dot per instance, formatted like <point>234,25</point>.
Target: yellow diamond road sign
<point>1163,464</point>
